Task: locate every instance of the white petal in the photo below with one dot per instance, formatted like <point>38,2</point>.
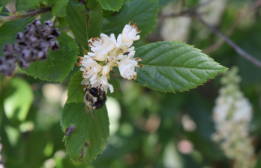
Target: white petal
<point>111,88</point>
<point>85,82</point>
<point>106,70</point>
<point>119,40</point>
<point>91,54</point>
<point>131,49</point>
<point>131,54</point>
<point>129,43</point>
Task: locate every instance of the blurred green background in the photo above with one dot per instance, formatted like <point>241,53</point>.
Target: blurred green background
<point>148,129</point>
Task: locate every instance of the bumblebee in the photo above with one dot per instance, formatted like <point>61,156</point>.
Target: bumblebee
<point>94,98</point>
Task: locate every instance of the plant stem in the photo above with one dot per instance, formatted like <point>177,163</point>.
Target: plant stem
<point>239,50</point>
<point>36,12</point>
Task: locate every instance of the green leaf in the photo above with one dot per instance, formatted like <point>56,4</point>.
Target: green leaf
<point>61,22</point>
<point>59,63</point>
<point>9,30</point>
<point>75,89</point>
<point>113,5</point>
<point>19,99</point>
<point>94,130</point>
<point>59,9</point>
<point>76,17</point>
<point>144,13</point>
<point>164,2</point>
<point>5,2</point>
<point>3,10</point>
<point>95,20</point>
<point>117,88</point>
<point>174,66</point>
<point>26,4</point>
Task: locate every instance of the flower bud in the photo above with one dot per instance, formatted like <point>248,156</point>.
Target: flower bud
<point>56,33</point>
<point>29,30</point>
<point>106,69</point>
<point>48,23</point>
<point>26,54</point>
<point>20,38</point>
<point>55,45</point>
<point>37,24</point>
<point>46,31</point>
<point>23,64</point>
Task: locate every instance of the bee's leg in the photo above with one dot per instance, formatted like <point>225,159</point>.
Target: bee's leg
<point>86,109</point>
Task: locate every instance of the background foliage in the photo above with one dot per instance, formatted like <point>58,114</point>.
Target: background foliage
<point>147,127</point>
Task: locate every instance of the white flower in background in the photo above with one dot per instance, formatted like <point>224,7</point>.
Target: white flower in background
<point>127,65</point>
<point>110,53</point>
<point>212,11</point>
<point>174,28</point>
<point>231,115</point>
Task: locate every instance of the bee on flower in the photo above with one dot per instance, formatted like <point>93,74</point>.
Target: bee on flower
<point>108,52</point>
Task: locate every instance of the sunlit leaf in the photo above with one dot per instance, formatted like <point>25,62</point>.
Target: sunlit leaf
<point>75,89</point>
<point>89,131</point>
<point>59,9</point>
<point>26,4</point>
<point>76,17</point>
<point>144,13</point>
<point>5,2</point>
<point>19,99</point>
<point>95,20</point>
<point>174,66</point>
<point>113,5</point>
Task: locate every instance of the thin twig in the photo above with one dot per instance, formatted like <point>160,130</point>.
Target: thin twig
<point>36,12</point>
<point>192,12</point>
<point>229,32</point>
<point>183,3</point>
<point>231,43</point>
<point>55,20</point>
<point>202,4</point>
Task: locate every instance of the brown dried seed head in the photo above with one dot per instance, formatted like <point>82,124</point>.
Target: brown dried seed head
<point>55,46</point>
<point>49,23</point>
<point>24,64</point>
<point>37,23</point>
<point>56,32</point>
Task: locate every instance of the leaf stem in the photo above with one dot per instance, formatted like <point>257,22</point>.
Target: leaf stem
<point>36,12</point>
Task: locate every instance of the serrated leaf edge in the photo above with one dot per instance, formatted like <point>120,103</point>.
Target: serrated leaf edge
<point>193,46</point>
<point>104,8</point>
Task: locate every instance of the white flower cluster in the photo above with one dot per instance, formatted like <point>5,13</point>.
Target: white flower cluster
<point>108,52</point>
<point>212,10</point>
<point>232,114</point>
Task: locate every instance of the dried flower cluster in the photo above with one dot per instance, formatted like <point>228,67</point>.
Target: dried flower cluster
<point>107,52</point>
<point>232,114</point>
<point>33,44</point>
